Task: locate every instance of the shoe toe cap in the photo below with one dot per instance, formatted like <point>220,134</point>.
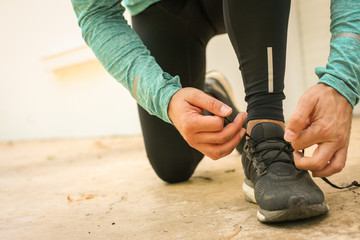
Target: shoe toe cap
<point>272,195</point>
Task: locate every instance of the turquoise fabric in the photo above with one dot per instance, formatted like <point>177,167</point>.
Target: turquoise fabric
<point>137,6</point>
<point>125,57</point>
<point>342,71</point>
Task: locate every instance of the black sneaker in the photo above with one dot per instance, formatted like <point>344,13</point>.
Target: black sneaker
<point>282,191</point>
<point>217,86</point>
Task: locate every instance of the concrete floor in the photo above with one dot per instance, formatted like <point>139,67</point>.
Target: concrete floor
<point>104,188</point>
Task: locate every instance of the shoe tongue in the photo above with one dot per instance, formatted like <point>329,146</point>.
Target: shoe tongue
<point>267,130</point>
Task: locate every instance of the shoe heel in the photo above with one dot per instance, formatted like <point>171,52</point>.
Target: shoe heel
<point>248,190</point>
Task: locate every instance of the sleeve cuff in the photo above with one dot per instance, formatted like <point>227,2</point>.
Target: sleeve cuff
<point>154,96</point>
<point>337,84</point>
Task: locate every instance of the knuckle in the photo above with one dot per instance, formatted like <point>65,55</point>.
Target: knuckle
<point>223,152</point>
<point>298,120</point>
<point>219,125</point>
<point>299,164</point>
<point>190,140</point>
<point>221,139</point>
<point>318,166</point>
<point>191,143</point>
<point>213,157</point>
<point>191,93</point>
<point>218,153</point>
<point>187,128</point>
<point>212,104</point>
<point>295,145</point>
<point>340,137</point>
<point>338,167</point>
<point>228,152</point>
<point>325,130</point>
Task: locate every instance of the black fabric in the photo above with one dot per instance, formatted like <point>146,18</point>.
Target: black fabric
<point>177,31</point>
<point>253,26</point>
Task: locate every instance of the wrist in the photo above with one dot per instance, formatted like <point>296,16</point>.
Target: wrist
<point>329,90</point>
<point>171,107</point>
<point>342,87</point>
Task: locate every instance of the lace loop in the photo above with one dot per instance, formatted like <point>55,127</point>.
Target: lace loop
<point>353,184</point>
<point>290,150</point>
<point>262,165</point>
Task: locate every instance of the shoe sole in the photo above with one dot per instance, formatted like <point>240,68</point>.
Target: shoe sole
<point>224,82</point>
<point>295,213</point>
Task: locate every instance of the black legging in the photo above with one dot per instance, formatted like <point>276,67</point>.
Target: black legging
<point>177,31</point>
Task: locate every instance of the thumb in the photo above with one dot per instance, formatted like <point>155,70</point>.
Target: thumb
<point>205,101</point>
<point>300,118</point>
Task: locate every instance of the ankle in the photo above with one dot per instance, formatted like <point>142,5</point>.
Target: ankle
<point>254,122</point>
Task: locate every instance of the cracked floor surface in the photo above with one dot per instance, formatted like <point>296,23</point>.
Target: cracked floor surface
<point>104,188</point>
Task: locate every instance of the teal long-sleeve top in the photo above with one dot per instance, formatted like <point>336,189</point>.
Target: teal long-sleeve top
<point>124,56</point>
<point>342,71</point>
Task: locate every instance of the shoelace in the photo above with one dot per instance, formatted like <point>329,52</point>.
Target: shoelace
<point>286,148</point>
<point>353,184</point>
<point>287,144</point>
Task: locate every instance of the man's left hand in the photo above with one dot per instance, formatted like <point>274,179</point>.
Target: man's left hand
<point>323,117</point>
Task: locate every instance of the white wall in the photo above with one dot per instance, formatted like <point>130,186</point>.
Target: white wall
<point>37,102</point>
<point>314,25</point>
<point>51,86</point>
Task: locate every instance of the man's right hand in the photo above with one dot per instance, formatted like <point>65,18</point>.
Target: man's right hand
<point>207,134</point>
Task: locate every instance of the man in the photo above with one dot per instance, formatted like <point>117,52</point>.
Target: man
<point>176,32</point>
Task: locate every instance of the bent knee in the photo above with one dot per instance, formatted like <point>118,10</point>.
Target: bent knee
<point>174,178</point>
<point>175,171</point>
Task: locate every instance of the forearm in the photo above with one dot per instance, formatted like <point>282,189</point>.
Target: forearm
<point>343,69</point>
<point>124,56</point>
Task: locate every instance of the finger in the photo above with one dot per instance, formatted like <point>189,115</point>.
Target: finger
<point>200,123</point>
<point>225,149</point>
<point>217,151</point>
<point>300,119</point>
<point>321,156</point>
<point>223,136</point>
<point>308,137</point>
<point>205,101</point>
<point>297,156</point>
<point>336,164</point>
